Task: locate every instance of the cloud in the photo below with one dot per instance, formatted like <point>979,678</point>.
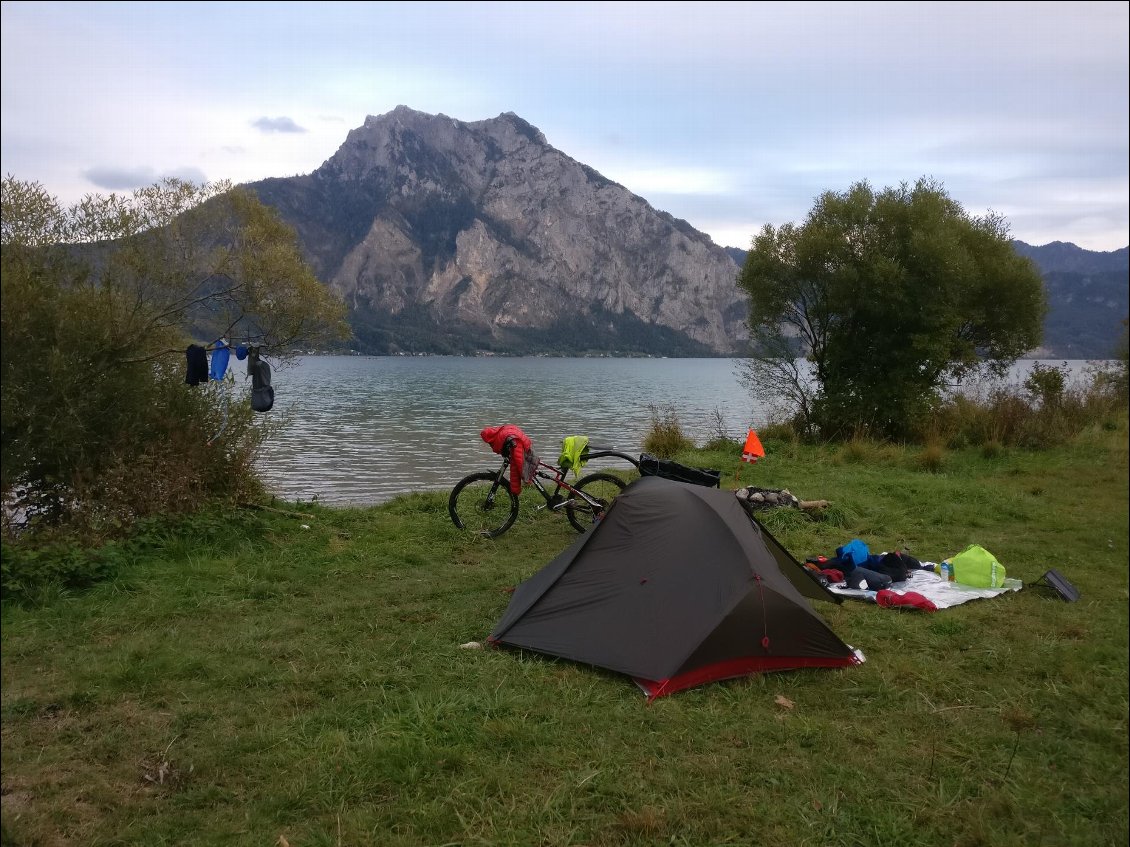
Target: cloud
<point>277,125</point>
<point>119,179</point>
<point>187,173</point>
<point>128,179</point>
<point>727,115</point>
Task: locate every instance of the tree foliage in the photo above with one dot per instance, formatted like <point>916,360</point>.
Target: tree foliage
<point>100,301</point>
<point>861,315</point>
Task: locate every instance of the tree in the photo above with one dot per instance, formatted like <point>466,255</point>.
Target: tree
<point>100,301</point>
<point>860,316</point>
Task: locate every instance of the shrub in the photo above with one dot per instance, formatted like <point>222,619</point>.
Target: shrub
<point>932,458</point>
<point>665,437</point>
<point>1046,411</point>
<point>99,427</point>
<point>1046,385</point>
<point>720,440</point>
<point>863,449</point>
<point>159,447</point>
<point>856,451</point>
<point>27,573</point>
<point>786,432</point>
<point>992,450</point>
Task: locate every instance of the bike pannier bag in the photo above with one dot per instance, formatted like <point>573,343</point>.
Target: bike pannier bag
<point>666,469</point>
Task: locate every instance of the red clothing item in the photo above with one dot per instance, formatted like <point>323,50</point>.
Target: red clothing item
<point>496,437</point>
<point>886,597</point>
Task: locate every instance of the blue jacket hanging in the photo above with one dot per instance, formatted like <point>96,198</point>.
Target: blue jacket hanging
<point>220,357</point>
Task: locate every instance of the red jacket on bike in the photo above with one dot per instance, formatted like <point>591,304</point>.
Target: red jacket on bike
<point>519,445</point>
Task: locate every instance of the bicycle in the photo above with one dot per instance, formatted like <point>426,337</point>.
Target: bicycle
<point>484,504</point>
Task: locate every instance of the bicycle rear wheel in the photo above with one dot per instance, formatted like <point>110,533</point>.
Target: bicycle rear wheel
<point>481,504</point>
<point>601,487</point>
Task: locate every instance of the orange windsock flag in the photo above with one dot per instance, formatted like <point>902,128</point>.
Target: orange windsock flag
<point>753,449</point>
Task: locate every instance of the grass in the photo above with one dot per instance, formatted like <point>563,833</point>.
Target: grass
<point>259,678</point>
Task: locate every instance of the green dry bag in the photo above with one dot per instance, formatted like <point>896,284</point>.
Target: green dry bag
<point>977,567</point>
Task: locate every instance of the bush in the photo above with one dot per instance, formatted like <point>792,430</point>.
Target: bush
<point>1046,411</point>
<point>60,561</point>
<point>992,450</point>
<point>665,437</point>
<point>787,432</point>
<point>152,447</point>
<point>720,440</point>
<point>98,425</point>
<point>932,458</point>
<point>1046,385</point>
<point>27,573</point>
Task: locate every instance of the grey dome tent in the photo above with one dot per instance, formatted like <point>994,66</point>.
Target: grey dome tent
<point>677,586</point>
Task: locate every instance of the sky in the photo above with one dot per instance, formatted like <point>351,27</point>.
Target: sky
<point>728,115</point>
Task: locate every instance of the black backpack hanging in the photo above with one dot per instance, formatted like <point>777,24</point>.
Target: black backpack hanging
<point>262,393</point>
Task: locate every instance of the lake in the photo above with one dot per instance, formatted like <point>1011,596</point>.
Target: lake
<point>359,430</point>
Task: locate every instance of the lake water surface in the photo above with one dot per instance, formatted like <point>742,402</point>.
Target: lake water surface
<point>363,429</point>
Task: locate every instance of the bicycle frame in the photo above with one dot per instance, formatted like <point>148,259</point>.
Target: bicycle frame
<point>554,501</point>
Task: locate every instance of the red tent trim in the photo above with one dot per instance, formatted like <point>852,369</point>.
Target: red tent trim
<point>734,668</point>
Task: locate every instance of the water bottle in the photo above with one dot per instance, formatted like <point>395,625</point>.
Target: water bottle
<point>946,571</point>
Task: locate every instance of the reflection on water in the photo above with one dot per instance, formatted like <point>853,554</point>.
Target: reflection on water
<point>361,429</point>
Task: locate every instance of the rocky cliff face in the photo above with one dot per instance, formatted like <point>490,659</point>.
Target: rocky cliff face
<point>450,236</point>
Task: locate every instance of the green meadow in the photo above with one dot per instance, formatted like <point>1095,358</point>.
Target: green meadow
<point>293,675</point>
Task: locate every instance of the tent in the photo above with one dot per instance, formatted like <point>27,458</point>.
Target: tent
<point>677,586</point>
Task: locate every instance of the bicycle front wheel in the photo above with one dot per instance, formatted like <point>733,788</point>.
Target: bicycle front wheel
<point>481,504</point>
<point>603,488</point>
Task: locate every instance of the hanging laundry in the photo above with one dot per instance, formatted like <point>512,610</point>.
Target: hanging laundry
<point>262,392</point>
<point>220,356</point>
<point>508,440</point>
<point>197,358</point>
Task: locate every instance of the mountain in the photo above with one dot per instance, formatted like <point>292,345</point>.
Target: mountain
<point>445,236</point>
<point>1087,298</point>
<point>453,237</point>
<point>1064,257</point>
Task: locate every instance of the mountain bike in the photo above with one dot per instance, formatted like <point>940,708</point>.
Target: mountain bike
<point>483,503</point>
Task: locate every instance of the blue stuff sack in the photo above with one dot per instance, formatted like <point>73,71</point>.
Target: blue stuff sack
<point>855,552</point>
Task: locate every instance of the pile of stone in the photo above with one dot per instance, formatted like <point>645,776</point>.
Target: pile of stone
<point>775,498</point>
